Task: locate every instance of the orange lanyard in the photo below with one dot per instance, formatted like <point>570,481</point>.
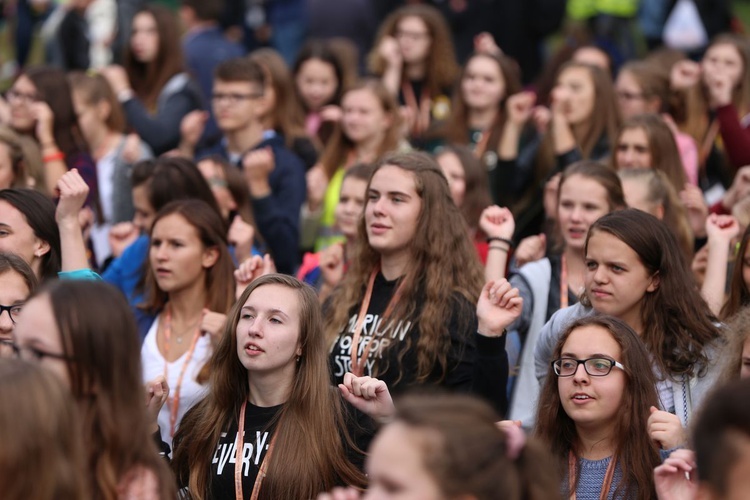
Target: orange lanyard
<point>174,404</point>
<point>481,145</point>
<point>421,109</point>
<point>358,362</point>
<point>606,485</point>
<point>563,282</point>
<point>238,494</point>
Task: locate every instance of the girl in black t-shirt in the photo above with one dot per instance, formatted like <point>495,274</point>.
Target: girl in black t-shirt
<point>405,310</point>
<point>271,399</point>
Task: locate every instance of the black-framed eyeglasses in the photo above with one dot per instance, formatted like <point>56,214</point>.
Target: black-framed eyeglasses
<point>8,348</point>
<point>14,95</point>
<point>234,98</point>
<point>596,367</point>
<point>13,311</point>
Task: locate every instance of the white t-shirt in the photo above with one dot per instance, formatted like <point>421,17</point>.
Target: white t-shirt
<point>105,171</point>
<point>190,391</point>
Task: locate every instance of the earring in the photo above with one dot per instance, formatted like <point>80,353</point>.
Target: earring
<point>298,357</point>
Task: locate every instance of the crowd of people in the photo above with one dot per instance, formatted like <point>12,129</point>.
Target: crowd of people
<point>403,255</point>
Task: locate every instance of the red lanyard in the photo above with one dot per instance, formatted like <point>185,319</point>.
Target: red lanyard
<point>359,362</point>
<point>238,494</point>
<point>606,485</point>
<point>421,109</point>
<point>174,404</point>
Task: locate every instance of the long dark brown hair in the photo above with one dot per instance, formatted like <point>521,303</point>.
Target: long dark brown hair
<point>456,127</point>
<point>637,455</point>
<point>309,455</point>
<point>148,79</point>
<point>100,338</point>
<point>605,117</point>
<point>443,263</point>
<point>678,325</point>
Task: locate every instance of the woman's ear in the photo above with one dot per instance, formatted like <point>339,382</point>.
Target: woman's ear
<point>210,257</point>
<point>103,110</point>
<point>41,248</point>
<point>655,282</point>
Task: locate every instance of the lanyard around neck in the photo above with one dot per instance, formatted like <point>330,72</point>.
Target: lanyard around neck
<point>608,476</point>
<point>359,362</point>
<point>238,493</point>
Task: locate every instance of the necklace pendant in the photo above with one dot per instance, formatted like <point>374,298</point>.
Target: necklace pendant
<point>179,340</point>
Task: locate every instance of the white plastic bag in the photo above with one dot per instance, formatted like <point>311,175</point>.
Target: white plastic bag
<point>684,29</point>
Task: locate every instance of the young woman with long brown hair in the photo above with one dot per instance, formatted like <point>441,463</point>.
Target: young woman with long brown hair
<point>414,323</point>
<point>482,116</point>
<point>634,273</point>
<point>271,425</point>
<point>594,417</point>
<point>413,53</point>
<point>153,88</point>
<point>84,334</point>
<point>190,285</point>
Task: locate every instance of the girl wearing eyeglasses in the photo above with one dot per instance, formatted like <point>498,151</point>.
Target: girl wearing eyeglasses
<point>593,411</point>
<point>83,333</point>
<point>17,282</point>
<point>635,272</point>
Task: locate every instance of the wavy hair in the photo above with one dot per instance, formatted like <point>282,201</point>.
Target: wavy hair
<point>678,324</point>
<point>443,262</point>
<point>309,455</point>
<point>441,59</point>
<point>636,453</point>
<point>99,335</point>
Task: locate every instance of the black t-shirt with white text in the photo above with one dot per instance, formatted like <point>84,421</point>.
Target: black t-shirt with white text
<point>475,363</point>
